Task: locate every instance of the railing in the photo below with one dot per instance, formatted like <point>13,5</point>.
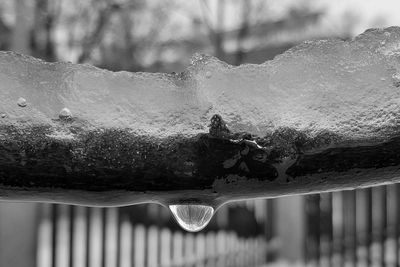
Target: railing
<point>79,237</point>
<point>349,228</point>
<point>356,228</point>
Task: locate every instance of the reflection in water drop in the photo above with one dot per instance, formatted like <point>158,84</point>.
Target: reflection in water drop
<point>192,218</point>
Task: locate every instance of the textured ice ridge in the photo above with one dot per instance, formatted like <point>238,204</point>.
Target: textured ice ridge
<point>351,88</point>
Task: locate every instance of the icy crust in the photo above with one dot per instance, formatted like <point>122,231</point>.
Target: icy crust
<point>349,88</point>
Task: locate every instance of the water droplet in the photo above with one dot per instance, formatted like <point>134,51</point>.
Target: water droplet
<point>3,115</point>
<point>208,74</point>
<point>65,114</point>
<point>192,218</point>
<point>21,102</point>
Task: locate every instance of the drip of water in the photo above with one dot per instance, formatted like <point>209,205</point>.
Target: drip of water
<point>192,218</point>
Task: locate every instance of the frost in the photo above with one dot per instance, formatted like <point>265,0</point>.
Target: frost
<point>346,87</point>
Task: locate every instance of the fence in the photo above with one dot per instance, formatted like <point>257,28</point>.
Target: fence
<point>78,236</point>
<point>353,228</point>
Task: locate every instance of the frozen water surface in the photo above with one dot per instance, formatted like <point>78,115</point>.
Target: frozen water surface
<point>347,87</point>
<point>350,89</point>
<point>326,84</point>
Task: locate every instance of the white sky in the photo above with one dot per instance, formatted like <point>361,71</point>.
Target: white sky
<point>366,13</point>
<point>339,15</point>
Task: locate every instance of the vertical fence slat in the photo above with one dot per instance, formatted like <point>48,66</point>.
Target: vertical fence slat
<point>397,225</point>
<point>177,245</point>
<point>165,247</point>
<point>361,226</point>
<point>62,236</point>
<point>125,240</point>
<point>79,237</point>
<point>383,225</point>
<point>290,228</point>
<point>313,229</point>
<point>337,228</point>
<point>326,228</point>
<point>188,248</point>
<point>391,224</point>
<point>95,237</point>
<point>368,219</point>
<point>200,249</point>
<point>44,256</point>
<point>210,249</point>
<point>139,246</point>
<point>221,248</point>
<point>111,237</point>
<point>350,236</point>
<point>376,226</point>
<point>152,246</point>
<point>379,224</point>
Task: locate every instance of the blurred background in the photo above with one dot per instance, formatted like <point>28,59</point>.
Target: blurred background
<point>353,228</point>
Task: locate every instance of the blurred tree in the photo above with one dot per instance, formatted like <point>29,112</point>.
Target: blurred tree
<point>42,36</point>
<point>216,32</point>
<point>22,27</point>
<point>104,10</point>
<point>243,31</point>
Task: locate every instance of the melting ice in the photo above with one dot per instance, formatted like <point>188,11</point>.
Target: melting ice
<point>347,87</point>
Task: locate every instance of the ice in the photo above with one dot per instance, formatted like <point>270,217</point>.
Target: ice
<point>21,102</point>
<point>65,113</point>
<point>350,88</point>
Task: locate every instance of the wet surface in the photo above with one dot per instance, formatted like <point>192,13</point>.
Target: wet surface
<point>213,132</point>
<point>115,159</point>
<point>111,159</point>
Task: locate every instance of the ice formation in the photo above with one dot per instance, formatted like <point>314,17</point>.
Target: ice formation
<point>348,87</point>
<point>322,116</point>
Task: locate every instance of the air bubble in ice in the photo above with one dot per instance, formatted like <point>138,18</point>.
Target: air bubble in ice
<point>191,217</point>
<point>21,102</point>
<point>65,113</point>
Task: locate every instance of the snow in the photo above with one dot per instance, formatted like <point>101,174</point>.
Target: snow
<point>350,88</point>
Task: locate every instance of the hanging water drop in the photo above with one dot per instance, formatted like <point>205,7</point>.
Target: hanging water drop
<point>21,102</point>
<point>192,218</point>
